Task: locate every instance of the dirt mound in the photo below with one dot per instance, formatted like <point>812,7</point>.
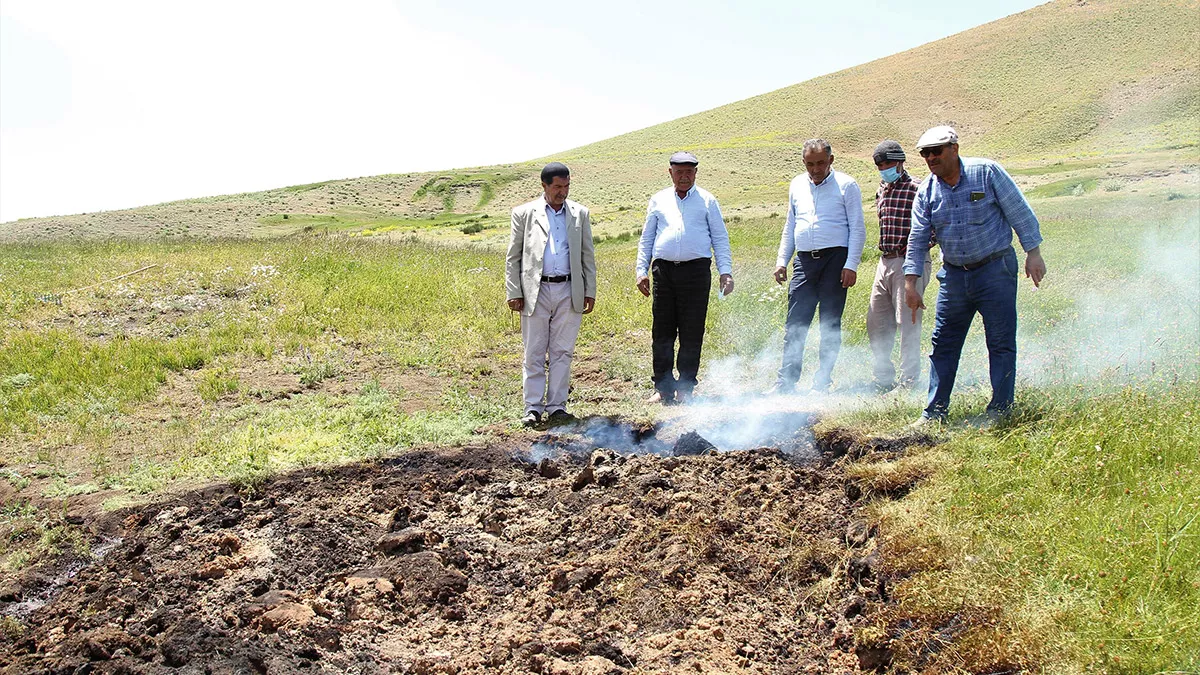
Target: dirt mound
<point>474,560</point>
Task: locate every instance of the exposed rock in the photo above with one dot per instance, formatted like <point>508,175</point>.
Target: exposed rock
<point>585,578</point>
<point>655,480</point>
<point>286,615</point>
<point>690,444</point>
<point>408,540</point>
<point>585,478</point>
<point>606,476</point>
<point>548,469</point>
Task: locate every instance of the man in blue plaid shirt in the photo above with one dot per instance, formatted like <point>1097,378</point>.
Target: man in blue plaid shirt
<point>973,206</point>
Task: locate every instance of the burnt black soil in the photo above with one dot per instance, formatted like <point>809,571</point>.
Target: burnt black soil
<point>468,560</point>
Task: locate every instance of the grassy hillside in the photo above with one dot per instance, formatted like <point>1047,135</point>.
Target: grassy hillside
<point>1105,82</point>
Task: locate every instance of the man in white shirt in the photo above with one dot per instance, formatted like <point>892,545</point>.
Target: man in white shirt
<point>825,231</point>
<point>550,278</point>
<point>683,231</point>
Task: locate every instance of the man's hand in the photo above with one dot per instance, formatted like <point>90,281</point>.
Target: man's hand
<point>780,274</point>
<point>588,305</point>
<point>849,278</point>
<point>516,304</point>
<point>1035,267</point>
<point>643,285</point>
<point>911,297</point>
<point>726,284</point>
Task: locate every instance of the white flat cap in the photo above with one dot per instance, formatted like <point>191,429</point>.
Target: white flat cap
<point>936,136</point>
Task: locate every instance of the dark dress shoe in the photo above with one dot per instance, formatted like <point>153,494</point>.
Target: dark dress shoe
<point>560,416</point>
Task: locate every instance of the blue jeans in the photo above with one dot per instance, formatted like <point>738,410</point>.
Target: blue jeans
<point>990,290</point>
<point>816,282</point>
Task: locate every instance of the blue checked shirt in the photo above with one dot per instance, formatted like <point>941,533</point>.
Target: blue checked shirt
<point>973,219</point>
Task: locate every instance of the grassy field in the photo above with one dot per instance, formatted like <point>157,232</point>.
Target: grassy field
<point>233,359</point>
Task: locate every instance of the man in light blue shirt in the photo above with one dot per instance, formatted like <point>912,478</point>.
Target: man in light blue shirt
<point>825,231</point>
<point>973,206</point>
<point>683,231</point>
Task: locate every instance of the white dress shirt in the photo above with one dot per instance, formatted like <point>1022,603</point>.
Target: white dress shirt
<point>556,262</point>
<point>823,216</point>
<point>684,229</point>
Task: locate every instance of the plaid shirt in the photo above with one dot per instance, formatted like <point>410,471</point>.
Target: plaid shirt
<point>973,219</point>
<point>893,203</point>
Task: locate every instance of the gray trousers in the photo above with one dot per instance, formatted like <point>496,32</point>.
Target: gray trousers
<point>887,313</point>
<point>549,335</point>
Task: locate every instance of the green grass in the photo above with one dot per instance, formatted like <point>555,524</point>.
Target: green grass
<point>181,374</point>
<point>1069,187</point>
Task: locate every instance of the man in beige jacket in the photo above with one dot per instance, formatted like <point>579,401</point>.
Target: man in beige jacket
<point>551,280</point>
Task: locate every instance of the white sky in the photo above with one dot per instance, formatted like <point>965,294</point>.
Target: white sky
<point>107,105</point>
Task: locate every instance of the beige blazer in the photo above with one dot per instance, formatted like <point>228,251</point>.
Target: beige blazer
<point>527,247</point>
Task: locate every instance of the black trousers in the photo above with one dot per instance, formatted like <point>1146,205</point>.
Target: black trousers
<point>680,306</point>
<point>815,282</point>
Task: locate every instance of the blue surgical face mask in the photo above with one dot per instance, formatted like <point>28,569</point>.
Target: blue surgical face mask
<point>891,174</point>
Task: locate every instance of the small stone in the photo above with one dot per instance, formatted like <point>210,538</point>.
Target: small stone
<point>218,568</point>
<point>229,543</point>
<point>655,480</point>
<point>548,469</point>
<point>854,607</point>
<point>857,533</point>
<point>598,665</point>
<point>585,478</point>
<point>866,567</point>
<point>606,476</point>
<point>873,657</point>
<point>286,615</point>
<point>400,518</point>
<point>408,540</point>
<point>585,578</point>
<point>691,443</point>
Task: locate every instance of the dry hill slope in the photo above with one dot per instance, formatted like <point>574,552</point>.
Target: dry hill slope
<point>1069,78</point>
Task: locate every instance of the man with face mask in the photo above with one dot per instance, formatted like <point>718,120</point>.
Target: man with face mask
<point>887,311</point>
<point>823,236</point>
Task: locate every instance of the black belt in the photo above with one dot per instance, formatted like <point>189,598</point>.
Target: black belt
<point>981,262</point>
<point>677,263</point>
<point>815,254</point>
<point>556,280</point>
<point>889,256</point>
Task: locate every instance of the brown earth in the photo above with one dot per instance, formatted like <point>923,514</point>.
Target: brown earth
<point>478,560</point>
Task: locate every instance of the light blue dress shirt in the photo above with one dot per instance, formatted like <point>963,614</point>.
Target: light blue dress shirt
<point>684,229</point>
<point>556,261</point>
<point>823,216</point>
<point>973,219</point>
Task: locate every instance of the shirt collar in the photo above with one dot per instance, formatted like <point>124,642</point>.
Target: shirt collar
<point>810,180</point>
<point>550,209</point>
<point>689,193</point>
